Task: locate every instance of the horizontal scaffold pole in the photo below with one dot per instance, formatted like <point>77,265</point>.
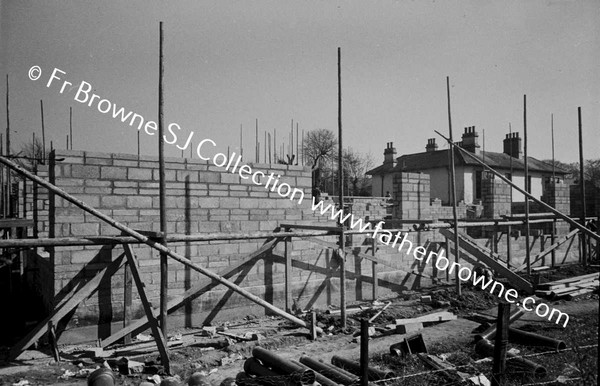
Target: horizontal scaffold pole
<point>116,240</point>
<point>154,244</point>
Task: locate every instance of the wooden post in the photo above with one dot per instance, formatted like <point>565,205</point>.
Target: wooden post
<point>453,187</point>
<point>374,268</point>
<point>552,241</point>
<point>162,191</point>
<point>552,136</point>
<point>508,245</point>
<point>43,132</point>
<point>313,325</point>
<point>7,121</point>
<point>127,301</point>
<point>70,127</point>
<point>527,187</point>
<point>342,253</point>
<point>2,186</point>
<point>500,344</point>
<point>364,352</point>
<point>448,252</point>
<point>495,239</point>
<point>53,341</point>
<point>7,191</point>
<point>303,158</point>
<point>582,188</point>
<point>288,274</point>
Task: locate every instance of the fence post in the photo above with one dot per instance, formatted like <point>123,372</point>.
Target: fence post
<point>500,343</point>
<point>364,352</point>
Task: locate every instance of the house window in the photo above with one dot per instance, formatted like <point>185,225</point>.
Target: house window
<point>478,184</point>
<point>528,184</point>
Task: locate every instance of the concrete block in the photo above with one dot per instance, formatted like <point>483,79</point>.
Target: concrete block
<point>210,177</point>
<point>229,202</point>
<point>139,202</point>
<point>139,174</point>
<point>85,229</point>
<point>113,173</point>
<point>113,201</point>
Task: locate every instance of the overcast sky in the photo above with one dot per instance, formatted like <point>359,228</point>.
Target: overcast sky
<point>230,62</point>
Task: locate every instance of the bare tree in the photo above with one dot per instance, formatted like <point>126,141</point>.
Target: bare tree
<point>30,154</point>
<point>355,168</point>
<point>319,145</point>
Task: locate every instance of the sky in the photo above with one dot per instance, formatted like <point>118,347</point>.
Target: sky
<point>228,63</point>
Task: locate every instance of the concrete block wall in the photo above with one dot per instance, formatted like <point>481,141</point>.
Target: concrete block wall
<point>201,198</point>
<point>556,194</point>
<point>592,200</point>
<point>369,208</point>
<point>495,196</point>
<point>438,211</point>
<point>412,196</point>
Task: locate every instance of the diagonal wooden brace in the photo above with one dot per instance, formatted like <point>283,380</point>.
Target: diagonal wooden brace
<point>203,285</point>
<point>74,298</point>
<point>156,331</point>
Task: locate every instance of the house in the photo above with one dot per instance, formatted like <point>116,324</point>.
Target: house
<point>436,163</point>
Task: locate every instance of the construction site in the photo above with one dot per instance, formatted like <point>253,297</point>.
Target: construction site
<point>463,266</point>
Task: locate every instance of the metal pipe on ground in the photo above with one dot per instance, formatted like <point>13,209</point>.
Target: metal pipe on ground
<point>491,331</point>
<point>485,348</point>
<point>253,366</point>
<point>320,378</point>
<point>354,368</point>
<point>148,241</point>
<point>334,373</point>
<point>284,366</point>
<point>531,339</point>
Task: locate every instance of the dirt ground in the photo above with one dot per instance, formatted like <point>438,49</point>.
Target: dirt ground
<point>220,357</point>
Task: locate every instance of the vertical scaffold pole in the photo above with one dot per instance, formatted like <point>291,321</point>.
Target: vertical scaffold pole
<point>582,188</point>
<point>164,269</point>
<point>453,188</point>
<point>342,253</point>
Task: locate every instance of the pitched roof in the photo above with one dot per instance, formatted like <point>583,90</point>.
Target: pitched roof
<point>440,158</point>
<point>381,169</point>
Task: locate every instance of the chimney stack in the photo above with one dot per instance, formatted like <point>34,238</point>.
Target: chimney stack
<point>512,145</point>
<point>389,154</point>
<point>470,140</point>
<point>431,145</point>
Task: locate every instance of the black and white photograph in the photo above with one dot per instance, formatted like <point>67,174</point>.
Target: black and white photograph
<point>261,192</point>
